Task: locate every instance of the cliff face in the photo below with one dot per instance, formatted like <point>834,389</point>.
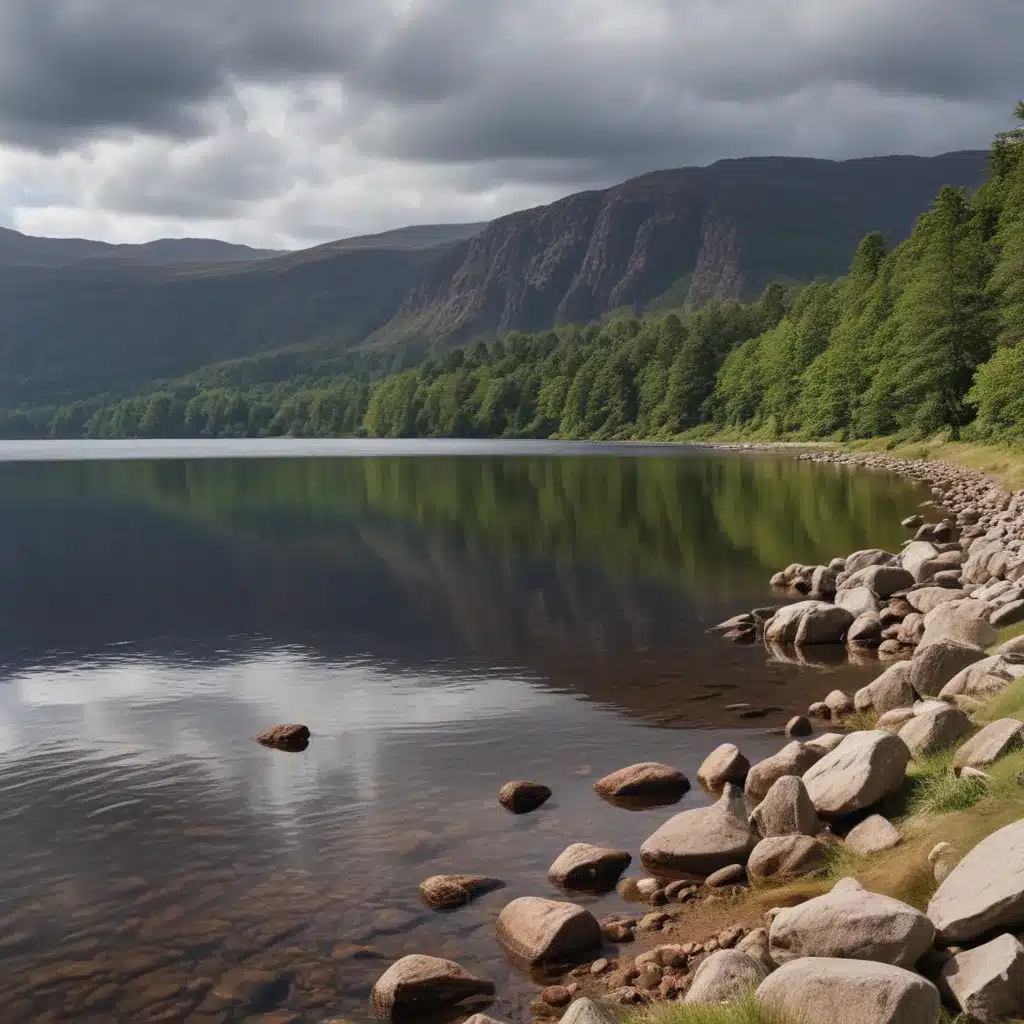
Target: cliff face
<point>728,228</point>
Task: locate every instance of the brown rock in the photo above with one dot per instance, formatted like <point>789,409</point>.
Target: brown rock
<point>583,866</point>
<point>798,726</point>
<point>523,797</point>
<point>446,892</point>
<point>285,737</point>
<point>556,995</point>
<point>536,931</point>
<point>732,874</point>
<point>793,759</point>
<point>724,764</point>
<point>786,857</point>
<point>424,984</point>
<point>647,779</point>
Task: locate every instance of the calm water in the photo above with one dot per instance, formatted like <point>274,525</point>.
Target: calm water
<point>444,621</point>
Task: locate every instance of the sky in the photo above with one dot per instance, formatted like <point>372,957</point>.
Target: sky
<point>285,123</point>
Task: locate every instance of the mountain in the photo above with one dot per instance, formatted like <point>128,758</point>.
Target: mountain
<point>106,326</point>
<point>19,250</point>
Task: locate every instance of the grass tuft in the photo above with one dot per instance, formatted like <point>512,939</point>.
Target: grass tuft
<point>934,789</point>
<point>746,1011</point>
<point>1008,704</point>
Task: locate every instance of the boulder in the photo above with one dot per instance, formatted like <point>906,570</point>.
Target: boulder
<point>882,580</point>
<point>850,992</point>
<point>446,892</point>
<point>732,874</point>
<point>857,601</point>
<point>870,556</point>
<point>523,797</point>
<point>736,622</point>
<point>916,556</point>
<point>934,665</point>
<point>927,598</point>
<point>793,759</point>
<point>586,1011</point>
<point>724,764</point>
<point>943,562</point>
<point>423,985</point>
<point>785,811</point>
<point>889,691</point>
<point>1009,615</point>
<point>934,730</point>
<point>823,582</point>
<point>725,975</point>
<point>825,743</point>
<point>987,983</point>
<point>854,924</point>
<point>819,709</point>
<point>786,857</point>
<point>583,866</point>
<point>985,677</point>
<point>943,858</point>
<point>912,522</point>
<point>539,931</point>
<point>647,779</point>
<point>911,629</point>
<point>755,945</point>
<point>964,622</point>
<point>872,835</point>
<point>808,622</point>
<point>893,721</point>
<point>993,742</point>
<point>839,703</point>
<point>865,768</point>
<point>799,726</point>
<point>866,630</point>
<point>284,737</point>
<point>985,890</point>
<point>1013,646</point>
<point>694,844</point>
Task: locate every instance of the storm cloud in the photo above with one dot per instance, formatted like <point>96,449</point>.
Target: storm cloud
<point>287,123</point>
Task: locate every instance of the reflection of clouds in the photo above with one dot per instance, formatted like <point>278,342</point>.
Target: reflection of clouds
<point>208,713</point>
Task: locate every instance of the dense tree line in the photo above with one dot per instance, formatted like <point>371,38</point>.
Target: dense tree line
<point>924,338</point>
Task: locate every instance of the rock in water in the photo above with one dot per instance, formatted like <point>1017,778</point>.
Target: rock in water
<point>872,835</point>
<point>786,857</point>
<point>285,737</point>
<point>724,764</point>
<point>539,931</point>
<point>799,726</point>
<point>852,924</point>
<point>785,811</point>
<point>424,985</point>
<point>724,976</point>
<point>865,768</point>
<point>985,890</point>
<point>693,844</point>
<point>647,779</point>
<point>808,622</point>
<point>988,982</point>
<point>583,866</point>
<point>446,892</point>
<point>850,992</point>
<point>988,746</point>
<point>523,797</point>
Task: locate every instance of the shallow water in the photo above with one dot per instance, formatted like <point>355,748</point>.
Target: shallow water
<point>443,621</point>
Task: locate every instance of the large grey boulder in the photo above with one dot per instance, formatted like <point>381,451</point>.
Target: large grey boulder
<point>893,721</point>
<point>866,631</point>
<point>988,982</point>
<point>869,556</point>
<point>854,924</point>
<point>785,811</point>
<point>786,857</point>
<point>423,985</point>
<point>585,866</point>
<point>694,844</point>
<point>872,835</point>
<point>825,743</point>
<point>865,768</point>
<point>537,931</point>
<point>1008,615</point>
<point>934,665</point>
<point>985,677</point>
<point>993,742</point>
<point>915,557</point>
<point>964,622</point>
<point>985,890</point>
<point>724,764</point>
<point>839,703</point>
<point>858,601</point>
<point>755,944</point>
<point>793,759</point>
<point>889,691</point>
<point>808,622</point>
<point>1015,645</point>
<point>724,976</point>
<point>927,598</point>
<point>934,730</point>
<point>850,992</point>
<point>586,1011</point>
<point>882,580</point>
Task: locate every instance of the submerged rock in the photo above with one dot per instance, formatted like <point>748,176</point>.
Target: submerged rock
<point>647,779</point>
<point>285,737</point>
<point>423,985</point>
<point>523,797</point>
<point>446,892</point>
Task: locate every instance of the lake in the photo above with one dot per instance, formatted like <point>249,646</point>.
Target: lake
<point>445,616</point>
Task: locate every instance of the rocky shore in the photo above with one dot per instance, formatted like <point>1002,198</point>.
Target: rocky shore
<point>844,953</point>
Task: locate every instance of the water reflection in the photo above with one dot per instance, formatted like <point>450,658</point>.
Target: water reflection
<point>441,624</point>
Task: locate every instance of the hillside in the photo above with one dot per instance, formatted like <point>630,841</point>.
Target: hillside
<point>20,250</point>
<point>109,327</point>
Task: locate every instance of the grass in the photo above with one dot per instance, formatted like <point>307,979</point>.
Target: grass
<point>746,1011</point>
<point>935,790</point>
<point>1008,704</point>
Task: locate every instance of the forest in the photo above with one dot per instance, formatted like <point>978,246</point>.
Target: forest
<point>923,338</point>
